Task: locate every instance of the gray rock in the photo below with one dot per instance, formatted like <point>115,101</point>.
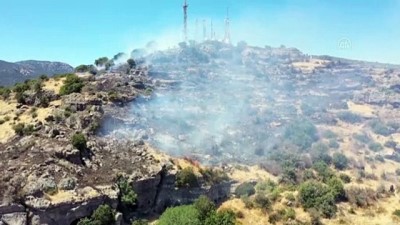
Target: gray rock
<point>19,218</point>
<point>67,183</point>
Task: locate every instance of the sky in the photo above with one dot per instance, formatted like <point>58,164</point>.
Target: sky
<point>79,31</point>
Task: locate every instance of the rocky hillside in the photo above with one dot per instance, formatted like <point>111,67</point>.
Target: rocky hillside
<point>11,73</point>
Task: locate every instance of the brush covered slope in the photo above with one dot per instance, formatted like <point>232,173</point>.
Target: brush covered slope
<point>289,138</point>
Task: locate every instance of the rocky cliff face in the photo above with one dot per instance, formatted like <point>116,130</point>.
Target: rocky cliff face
<point>11,73</point>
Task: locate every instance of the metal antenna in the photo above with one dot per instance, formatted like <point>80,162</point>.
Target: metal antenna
<point>204,30</point>
<point>212,31</point>
<point>185,7</point>
<point>227,38</point>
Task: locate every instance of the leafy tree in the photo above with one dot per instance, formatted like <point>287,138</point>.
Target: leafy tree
<point>301,133</point>
<point>221,218</point>
<point>186,178</point>
<point>128,195</point>
<point>78,140</point>
<point>72,84</point>
<point>340,161</point>
<point>181,215</point>
<point>337,189</point>
<point>204,207</point>
<point>131,63</point>
<point>245,189</point>
<point>5,92</point>
<point>101,61</point>
<point>103,215</point>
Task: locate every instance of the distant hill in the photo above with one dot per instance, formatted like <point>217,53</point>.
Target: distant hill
<point>11,73</point>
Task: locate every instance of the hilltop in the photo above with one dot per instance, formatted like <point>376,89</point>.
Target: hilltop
<point>318,139</point>
<point>11,73</point>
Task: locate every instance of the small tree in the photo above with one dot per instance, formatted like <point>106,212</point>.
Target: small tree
<point>72,84</point>
<point>245,189</point>
<point>131,63</point>
<point>340,161</point>
<point>78,140</point>
<point>186,178</point>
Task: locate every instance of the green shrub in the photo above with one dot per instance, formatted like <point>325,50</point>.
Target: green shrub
<point>72,84</point>
<point>349,117</point>
<point>323,170</point>
<point>345,178</point>
<point>301,133</point>
<point>379,158</point>
<point>181,215</point>
<point>245,189</point>
<point>186,178</point>
<point>363,138</point>
<point>375,146</point>
<point>333,144</point>
<point>213,176</point>
<point>262,201</point>
<point>378,127</point>
<point>313,194</point>
<point>128,196</point>
<point>340,161</point>
<point>290,214</point>
<point>103,215</point>
<point>396,213</point>
<point>337,189</point>
<point>266,186</point>
<point>5,93</point>
<point>329,134</point>
<point>21,129</point>
<point>78,140</point>
<point>204,207</point>
<point>361,197</point>
<point>225,217</point>
<point>319,152</point>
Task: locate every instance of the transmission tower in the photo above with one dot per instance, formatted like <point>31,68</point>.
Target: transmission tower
<point>204,30</point>
<point>227,38</point>
<point>185,7</point>
<point>211,31</point>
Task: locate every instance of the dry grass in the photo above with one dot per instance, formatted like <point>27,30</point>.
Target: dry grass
<point>53,85</point>
<point>308,67</point>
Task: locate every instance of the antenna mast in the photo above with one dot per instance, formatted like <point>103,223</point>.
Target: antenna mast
<point>185,7</point>
<point>212,31</point>
<point>204,30</point>
<point>227,38</point>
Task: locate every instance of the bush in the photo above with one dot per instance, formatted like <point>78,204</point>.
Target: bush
<point>337,189</point>
<point>333,144</point>
<point>329,134</point>
<point>262,201</point>
<point>248,203</point>
<point>79,141</point>
<point>345,178</point>
<point>319,152</point>
<point>363,138</point>
<point>186,178</point>
<point>128,196</point>
<point>323,170</point>
<point>245,189</point>
<point>313,194</point>
<point>181,215</point>
<point>375,146</point>
<point>361,197</point>
<point>213,176</point>
<point>103,215</point>
<point>396,213</point>
<point>225,217</point>
<point>390,144</point>
<point>21,129</point>
<point>301,133</point>
<point>290,214</point>
<point>5,93</point>
<point>378,127</point>
<point>349,117</point>
<point>72,84</point>
<point>340,161</point>
<point>204,207</point>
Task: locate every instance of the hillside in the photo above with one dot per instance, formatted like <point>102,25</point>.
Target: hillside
<point>11,73</point>
<point>270,135</point>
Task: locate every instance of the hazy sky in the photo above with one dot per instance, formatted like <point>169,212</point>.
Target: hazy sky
<point>77,32</point>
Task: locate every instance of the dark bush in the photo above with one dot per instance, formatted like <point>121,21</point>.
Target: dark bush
<point>213,176</point>
<point>262,201</point>
<point>333,144</point>
<point>140,222</point>
<point>390,144</point>
<point>72,84</point>
<point>378,127</point>
<point>245,189</point>
<point>340,161</point>
<point>21,129</point>
<point>323,170</point>
<point>319,152</point>
<point>186,178</point>
<point>349,117</point>
<point>78,140</point>
<point>345,178</point>
<point>103,215</point>
<point>375,146</point>
<point>329,134</point>
<point>301,133</point>
<point>396,213</point>
<point>363,138</point>
<point>361,197</point>
<point>128,196</point>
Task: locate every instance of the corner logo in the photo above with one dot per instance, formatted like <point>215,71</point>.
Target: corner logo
<point>344,44</point>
